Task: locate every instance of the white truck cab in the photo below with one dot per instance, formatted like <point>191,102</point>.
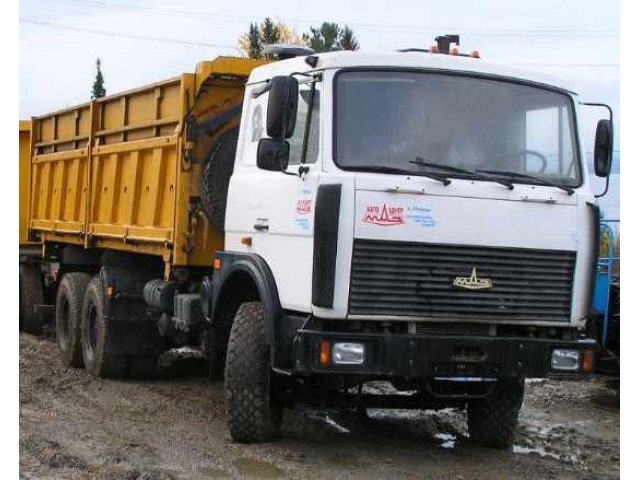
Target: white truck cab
<point>420,218</point>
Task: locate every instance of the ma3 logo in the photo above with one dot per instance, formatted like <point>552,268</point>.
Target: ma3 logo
<point>384,216</point>
<point>303,207</point>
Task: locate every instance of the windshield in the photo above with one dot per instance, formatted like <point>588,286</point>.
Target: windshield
<point>393,118</point>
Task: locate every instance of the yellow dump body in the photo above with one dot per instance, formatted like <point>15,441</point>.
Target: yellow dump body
<point>24,134</point>
<point>119,172</point>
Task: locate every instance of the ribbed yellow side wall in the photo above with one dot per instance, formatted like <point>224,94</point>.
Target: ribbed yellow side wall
<point>118,172</point>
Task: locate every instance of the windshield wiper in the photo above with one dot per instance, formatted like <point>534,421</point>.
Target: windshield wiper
<point>383,169</point>
<point>539,180</point>
<point>476,174</point>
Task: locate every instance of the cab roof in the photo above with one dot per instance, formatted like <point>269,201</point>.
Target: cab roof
<point>432,61</point>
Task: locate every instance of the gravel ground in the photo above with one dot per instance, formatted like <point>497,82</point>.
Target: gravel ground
<point>75,427</point>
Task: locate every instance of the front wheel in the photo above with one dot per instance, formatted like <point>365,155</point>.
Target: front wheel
<point>492,420</point>
<point>254,414</point>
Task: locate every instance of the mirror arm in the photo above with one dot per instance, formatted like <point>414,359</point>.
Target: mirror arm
<point>258,91</point>
<point>302,74</point>
<point>606,189</point>
<point>317,76</point>
<point>283,135</point>
<point>307,125</point>
<point>604,105</point>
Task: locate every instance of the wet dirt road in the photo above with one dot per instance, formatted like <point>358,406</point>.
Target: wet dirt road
<point>75,427</point>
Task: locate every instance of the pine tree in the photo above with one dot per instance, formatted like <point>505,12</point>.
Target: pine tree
<point>325,38</point>
<point>255,43</point>
<point>98,90</point>
<point>348,39</point>
<point>269,32</point>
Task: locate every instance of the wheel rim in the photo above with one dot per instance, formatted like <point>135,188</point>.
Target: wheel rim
<point>64,327</point>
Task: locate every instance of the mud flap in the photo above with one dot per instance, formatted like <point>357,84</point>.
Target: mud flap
<point>131,330</point>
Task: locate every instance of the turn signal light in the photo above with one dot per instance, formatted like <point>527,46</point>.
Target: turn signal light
<point>325,352</point>
<point>217,264</point>
<point>587,361</point>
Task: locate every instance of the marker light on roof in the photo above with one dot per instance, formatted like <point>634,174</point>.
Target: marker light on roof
<point>454,51</point>
<point>475,54</point>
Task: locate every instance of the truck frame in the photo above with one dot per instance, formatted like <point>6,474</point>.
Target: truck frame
<point>313,227</point>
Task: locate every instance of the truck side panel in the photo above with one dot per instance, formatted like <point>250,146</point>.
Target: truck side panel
<point>104,172</point>
<point>119,173</point>
<point>59,172</point>
<point>24,133</point>
<point>134,163</point>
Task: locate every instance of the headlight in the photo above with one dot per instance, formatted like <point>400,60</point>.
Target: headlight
<point>348,353</point>
<point>566,360</point>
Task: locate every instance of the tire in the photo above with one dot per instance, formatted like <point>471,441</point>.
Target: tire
<point>68,314</point>
<point>613,334</point>
<point>214,183</point>
<point>254,415</point>
<point>97,346</point>
<point>31,294</point>
<point>492,420</point>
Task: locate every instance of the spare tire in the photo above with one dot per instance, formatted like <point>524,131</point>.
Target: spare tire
<point>216,175</point>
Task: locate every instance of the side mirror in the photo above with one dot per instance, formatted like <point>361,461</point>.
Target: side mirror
<point>273,154</point>
<point>282,107</point>
<point>603,149</point>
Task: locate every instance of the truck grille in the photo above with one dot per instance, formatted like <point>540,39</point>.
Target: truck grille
<point>417,280</point>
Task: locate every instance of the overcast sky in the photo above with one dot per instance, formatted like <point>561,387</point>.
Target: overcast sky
<point>574,39</point>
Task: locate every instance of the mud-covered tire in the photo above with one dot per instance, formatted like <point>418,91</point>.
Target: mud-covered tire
<point>31,294</point>
<point>97,346</point>
<point>492,420</point>
<point>68,314</point>
<point>254,415</point>
<point>214,183</point>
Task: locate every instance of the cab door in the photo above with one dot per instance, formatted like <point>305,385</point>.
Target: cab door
<point>275,209</point>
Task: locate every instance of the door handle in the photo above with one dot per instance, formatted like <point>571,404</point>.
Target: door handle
<point>406,190</point>
<point>261,227</point>
<point>526,198</point>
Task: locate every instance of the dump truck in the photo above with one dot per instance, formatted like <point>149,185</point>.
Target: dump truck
<point>422,218</point>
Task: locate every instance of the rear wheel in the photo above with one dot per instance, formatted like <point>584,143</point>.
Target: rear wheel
<point>68,314</point>
<point>97,347</point>
<point>31,294</point>
<point>254,414</point>
<point>492,420</point>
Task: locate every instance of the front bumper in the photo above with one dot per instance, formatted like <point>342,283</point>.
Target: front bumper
<point>439,356</point>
